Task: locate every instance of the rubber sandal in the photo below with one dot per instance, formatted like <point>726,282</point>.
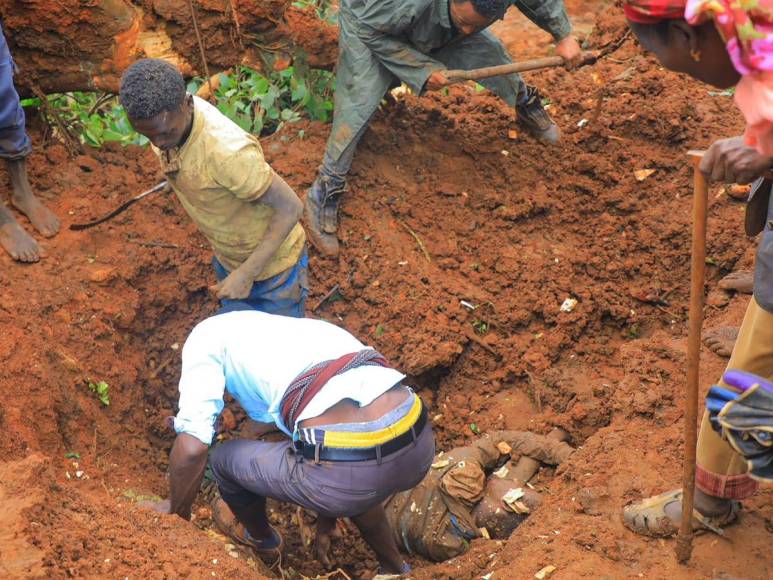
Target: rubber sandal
<point>227,523</point>
<point>648,516</point>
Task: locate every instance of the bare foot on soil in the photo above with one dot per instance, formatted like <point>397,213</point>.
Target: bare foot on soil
<point>18,243</point>
<point>721,340</point>
<point>741,281</point>
<point>42,218</point>
<point>24,200</point>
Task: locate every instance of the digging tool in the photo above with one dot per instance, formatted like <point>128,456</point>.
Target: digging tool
<point>456,76</point>
<point>121,208</point>
<point>697,276</point>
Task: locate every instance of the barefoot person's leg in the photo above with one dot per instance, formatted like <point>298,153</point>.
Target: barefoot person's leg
<point>14,148</point>
<point>741,281</point>
<point>41,218</point>
<point>721,340</point>
<point>15,240</point>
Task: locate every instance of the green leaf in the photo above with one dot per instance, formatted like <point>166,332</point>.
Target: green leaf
<point>474,428</point>
<point>72,455</point>
<point>102,390</point>
<point>379,331</point>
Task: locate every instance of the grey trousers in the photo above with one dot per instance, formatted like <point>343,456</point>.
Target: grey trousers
<point>247,470</point>
<point>359,92</point>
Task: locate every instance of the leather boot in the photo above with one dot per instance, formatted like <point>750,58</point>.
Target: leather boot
<point>321,213</point>
<point>533,117</point>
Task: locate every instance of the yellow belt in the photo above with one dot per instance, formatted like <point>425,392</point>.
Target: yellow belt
<point>369,439</point>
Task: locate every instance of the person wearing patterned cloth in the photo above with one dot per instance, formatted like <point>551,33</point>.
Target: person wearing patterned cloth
<point>724,43</point>
<point>357,435</point>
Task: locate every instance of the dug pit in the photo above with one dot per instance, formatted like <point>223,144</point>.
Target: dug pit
<point>509,231</point>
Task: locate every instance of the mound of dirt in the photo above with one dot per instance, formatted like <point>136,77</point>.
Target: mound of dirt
<point>462,239</point>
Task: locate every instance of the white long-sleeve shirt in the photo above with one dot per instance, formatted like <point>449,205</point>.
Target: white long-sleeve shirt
<point>255,356</point>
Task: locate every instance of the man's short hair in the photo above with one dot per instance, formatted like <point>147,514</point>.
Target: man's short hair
<point>490,8</point>
<point>151,86</point>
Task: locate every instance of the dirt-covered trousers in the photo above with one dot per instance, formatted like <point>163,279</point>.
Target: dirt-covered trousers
<point>14,142</point>
<point>246,471</point>
<point>721,472</point>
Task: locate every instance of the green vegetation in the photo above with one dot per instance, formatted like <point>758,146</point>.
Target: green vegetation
<point>480,326</point>
<point>259,104</point>
<point>102,390</point>
<point>263,105</point>
<point>94,117</point>
<point>323,9</point>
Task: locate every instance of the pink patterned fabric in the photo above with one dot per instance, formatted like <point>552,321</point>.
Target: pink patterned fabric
<point>747,28</point>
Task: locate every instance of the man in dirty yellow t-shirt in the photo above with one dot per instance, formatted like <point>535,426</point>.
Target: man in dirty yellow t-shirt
<point>248,213</point>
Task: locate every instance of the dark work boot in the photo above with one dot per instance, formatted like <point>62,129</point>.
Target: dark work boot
<point>321,213</point>
<point>533,117</point>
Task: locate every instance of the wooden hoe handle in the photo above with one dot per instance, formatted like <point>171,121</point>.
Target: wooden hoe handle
<point>456,76</point>
<point>697,276</point>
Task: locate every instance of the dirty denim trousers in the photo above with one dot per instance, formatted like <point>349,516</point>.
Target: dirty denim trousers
<point>283,294</point>
<point>14,142</point>
<point>246,470</point>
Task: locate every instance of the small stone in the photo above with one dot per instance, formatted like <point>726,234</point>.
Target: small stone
<point>545,572</point>
<point>102,275</point>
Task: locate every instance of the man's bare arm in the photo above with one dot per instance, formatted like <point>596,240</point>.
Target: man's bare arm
<point>287,209</point>
<point>187,463</point>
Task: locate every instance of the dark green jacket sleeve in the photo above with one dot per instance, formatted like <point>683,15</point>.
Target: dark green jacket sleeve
<point>381,25</point>
<point>549,15</point>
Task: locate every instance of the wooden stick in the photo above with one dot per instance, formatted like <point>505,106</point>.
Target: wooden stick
<point>480,342</point>
<point>697,275</point>
<point>456,76</point>
<point>201,48</point>
<point>416,237</point>
<point>326,297</point>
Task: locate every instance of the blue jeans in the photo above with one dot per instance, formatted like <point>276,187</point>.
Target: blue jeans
<point>14,142</point>
<point>284,294</point>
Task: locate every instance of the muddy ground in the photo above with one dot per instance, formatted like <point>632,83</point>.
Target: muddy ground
<point>509,226</point>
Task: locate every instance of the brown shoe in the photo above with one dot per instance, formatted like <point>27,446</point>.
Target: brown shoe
<point>321,213</point>
<point>227,523</point>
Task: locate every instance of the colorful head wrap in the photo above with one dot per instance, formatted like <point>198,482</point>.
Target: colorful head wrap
<point>747,29</point>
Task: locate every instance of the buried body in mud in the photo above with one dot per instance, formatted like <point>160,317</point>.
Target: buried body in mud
<point>481,490</point>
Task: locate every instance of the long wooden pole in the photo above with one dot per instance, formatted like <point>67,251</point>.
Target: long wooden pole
<point>697,277</point>
<point>456,76</point>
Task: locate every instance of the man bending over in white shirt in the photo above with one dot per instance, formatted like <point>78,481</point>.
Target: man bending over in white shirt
<point>358,435</point>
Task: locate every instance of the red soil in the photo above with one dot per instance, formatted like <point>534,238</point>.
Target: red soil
<point>509,226</point>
